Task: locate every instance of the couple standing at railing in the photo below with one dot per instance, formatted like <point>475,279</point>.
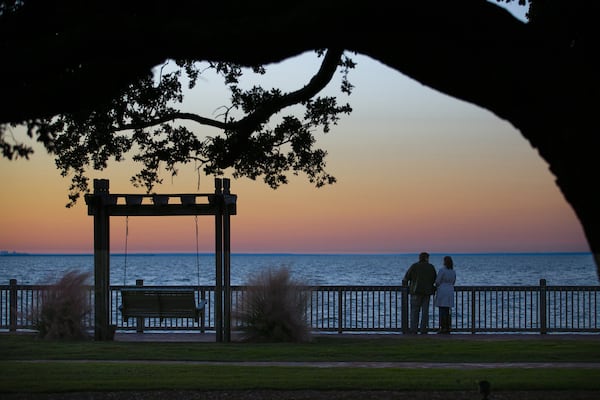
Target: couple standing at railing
<point>424,281</point>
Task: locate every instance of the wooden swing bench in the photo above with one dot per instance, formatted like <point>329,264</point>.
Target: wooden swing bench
<point>160,303</point>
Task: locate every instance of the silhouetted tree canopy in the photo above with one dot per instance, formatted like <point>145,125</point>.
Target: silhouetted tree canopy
<point>73,63</point>
<point>146,120</point>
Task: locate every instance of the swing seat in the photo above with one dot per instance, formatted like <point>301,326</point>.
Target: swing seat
<point>160,303</point>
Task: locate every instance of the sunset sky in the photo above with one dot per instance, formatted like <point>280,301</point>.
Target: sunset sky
<point>417,170</point>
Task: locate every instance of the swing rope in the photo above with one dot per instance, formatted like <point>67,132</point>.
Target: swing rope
<point>197,251</point>
<point>126,240</point>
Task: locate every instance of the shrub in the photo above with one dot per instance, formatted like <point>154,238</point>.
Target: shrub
<point>64,307</point>
<point>274,308</point>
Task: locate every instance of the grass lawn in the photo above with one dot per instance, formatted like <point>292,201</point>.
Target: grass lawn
<point>122,366</point>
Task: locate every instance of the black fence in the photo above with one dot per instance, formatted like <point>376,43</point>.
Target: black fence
<point>478,309</point>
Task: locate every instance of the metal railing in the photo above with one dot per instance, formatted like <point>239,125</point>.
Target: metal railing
<point>478,309</point>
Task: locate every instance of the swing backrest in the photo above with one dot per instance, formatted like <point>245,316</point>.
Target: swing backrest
<point>160,303</point>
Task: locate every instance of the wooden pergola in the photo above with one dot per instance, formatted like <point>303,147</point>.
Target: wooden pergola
<point>102,205</point>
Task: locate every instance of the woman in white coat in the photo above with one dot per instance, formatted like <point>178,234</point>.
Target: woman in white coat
<point>444,296</point>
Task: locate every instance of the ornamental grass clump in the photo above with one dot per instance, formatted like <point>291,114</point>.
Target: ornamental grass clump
<point>274,308</point>
<point>64,307</point>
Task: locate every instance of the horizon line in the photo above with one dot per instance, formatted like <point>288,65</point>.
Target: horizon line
<point>16,253</point>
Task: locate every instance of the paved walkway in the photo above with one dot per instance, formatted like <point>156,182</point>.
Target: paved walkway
<point>346,364</point>
<point>211,337</point>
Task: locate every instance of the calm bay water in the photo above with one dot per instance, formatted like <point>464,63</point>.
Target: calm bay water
<point>321,269</point>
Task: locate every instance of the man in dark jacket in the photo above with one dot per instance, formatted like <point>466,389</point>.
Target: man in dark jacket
<point>420,278</point>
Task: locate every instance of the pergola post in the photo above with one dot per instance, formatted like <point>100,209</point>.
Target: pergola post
<point>219,261</point>
<point>101,261</point>
<point>226,261</point>
<point>223,260</point>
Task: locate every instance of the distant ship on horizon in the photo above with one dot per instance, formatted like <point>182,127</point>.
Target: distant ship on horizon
<point>11,253</point>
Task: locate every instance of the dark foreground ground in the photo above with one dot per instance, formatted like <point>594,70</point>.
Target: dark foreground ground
<point>309,395</point>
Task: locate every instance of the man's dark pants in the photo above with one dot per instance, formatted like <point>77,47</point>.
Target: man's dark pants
<point>419,304</point>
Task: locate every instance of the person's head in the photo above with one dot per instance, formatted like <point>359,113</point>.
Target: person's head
<point>448,263</point>
<point>424,257</point>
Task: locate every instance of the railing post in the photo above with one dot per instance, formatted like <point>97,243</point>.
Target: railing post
<point>473,309</point>
<point>12,317</point>
<point>340,309</point>
<point>404,305</point>
<point>203,313</point>
<point>543,308</point>
<point>139,321</point>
